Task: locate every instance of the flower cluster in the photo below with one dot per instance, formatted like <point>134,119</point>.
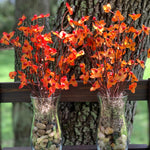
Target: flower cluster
<point>107,48</point>
<point>44,68</point>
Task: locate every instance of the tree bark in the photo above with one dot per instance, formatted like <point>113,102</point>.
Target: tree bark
<point>78,117</point>
<point>22,114</point>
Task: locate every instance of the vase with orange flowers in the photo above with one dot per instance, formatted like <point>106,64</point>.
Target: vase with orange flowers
<point>45,71</point>
<point>107,48</point>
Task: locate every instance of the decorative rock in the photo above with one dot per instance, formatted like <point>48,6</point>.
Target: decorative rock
<point>41,138</point>
<point>101,135</point>
<point>51,134</point>
<point>41,132</point>
<point>53,147</point>
<point>57,141</point>
<point>43,145</point>
<point>109,130</point>
<point>45,122</point>
<point>37,147</point>
<point>48,131</point>
<point>41,126</point>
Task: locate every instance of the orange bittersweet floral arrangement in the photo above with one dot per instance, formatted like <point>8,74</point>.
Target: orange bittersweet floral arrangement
<point>45,70</point>
<point>114,51</point>
<point>42,65</point>
<point>107,48</point>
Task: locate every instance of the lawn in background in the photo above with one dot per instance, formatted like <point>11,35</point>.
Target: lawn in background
<point>140,129</point>
<point>6,65</point>
<point>140,126</point>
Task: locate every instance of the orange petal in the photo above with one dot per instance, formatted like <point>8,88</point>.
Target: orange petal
<point>73,81</point>
<point>132,87</point>
<point>12,74</point>
<point>107,8</point>
<point>69,9</point>
<point>148,53</point>
<point>135,16</point>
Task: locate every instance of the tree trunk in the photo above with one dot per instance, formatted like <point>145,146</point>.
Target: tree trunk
<point>79,119</point>
<point>22,114</point>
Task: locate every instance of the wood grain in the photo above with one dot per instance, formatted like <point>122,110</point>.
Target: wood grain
<point>86,147</point>
<point>9,92</point>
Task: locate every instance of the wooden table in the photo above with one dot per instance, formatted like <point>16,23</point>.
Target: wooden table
<point>86,147</point>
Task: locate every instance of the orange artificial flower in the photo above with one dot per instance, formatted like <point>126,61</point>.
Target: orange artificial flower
<point>35,17</point>
<point>64,83</point>
<point>70,21</point>
<point>95,86</point>
<point>21,20</point>
<point>26,47</point>
<point>26,30</point>
<point>137,33</point>
<point>83,19</point>
<point>141,62</point>
<point>6,37</point>
<point>111,81</point>
<point>122,27</point>
<point>61,35</point>
<point>22,78</point>
<point>85,77</point>
<point>82,66</point>
<point>34,67</point>
<point>118,16</point>
<point>12,74</point>
<point>135,16</point>
<point>51,91</point>
<point>132,87</point>
<point>146,29</point>
<point>107,8</point>
<point>69,9</point>
<point>80,53</point>
<point>47,38</point>
<point>73,81</point>
<point>120,76</point>
<point>148,53</point>
<point>16,42</point>
<point>54,84</point>
<point>25,64</point>
<point>131,45</point>
<point>95,73</point>
<point>134,78</point>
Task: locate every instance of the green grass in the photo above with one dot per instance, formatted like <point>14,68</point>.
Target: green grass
<point>140,126</point>
<point>6,65</point>
<point>140,129</point>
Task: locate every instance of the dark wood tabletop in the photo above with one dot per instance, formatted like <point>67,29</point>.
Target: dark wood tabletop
<point>86,147</point>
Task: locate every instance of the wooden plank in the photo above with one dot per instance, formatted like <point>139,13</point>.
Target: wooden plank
<point>9,92</point>
<point>86,147</point>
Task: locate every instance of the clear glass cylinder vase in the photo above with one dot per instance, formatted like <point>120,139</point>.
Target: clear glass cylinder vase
<point>112,128</point>
<point>46,131</point>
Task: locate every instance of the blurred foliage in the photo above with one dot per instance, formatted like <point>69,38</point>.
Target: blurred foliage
<point>7,11</point>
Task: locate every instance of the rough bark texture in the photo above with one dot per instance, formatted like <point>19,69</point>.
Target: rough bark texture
<point>22,114</point>
<point>78,117</point>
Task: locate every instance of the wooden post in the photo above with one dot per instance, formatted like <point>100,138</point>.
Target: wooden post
<point>0,129</point>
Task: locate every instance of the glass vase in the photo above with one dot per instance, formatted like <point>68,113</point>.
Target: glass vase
<point>46,131</point>
<point>112,129</point>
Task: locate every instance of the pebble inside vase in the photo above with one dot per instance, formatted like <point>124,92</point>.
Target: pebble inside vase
<point>112,129</point>
<point>46,132</point>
